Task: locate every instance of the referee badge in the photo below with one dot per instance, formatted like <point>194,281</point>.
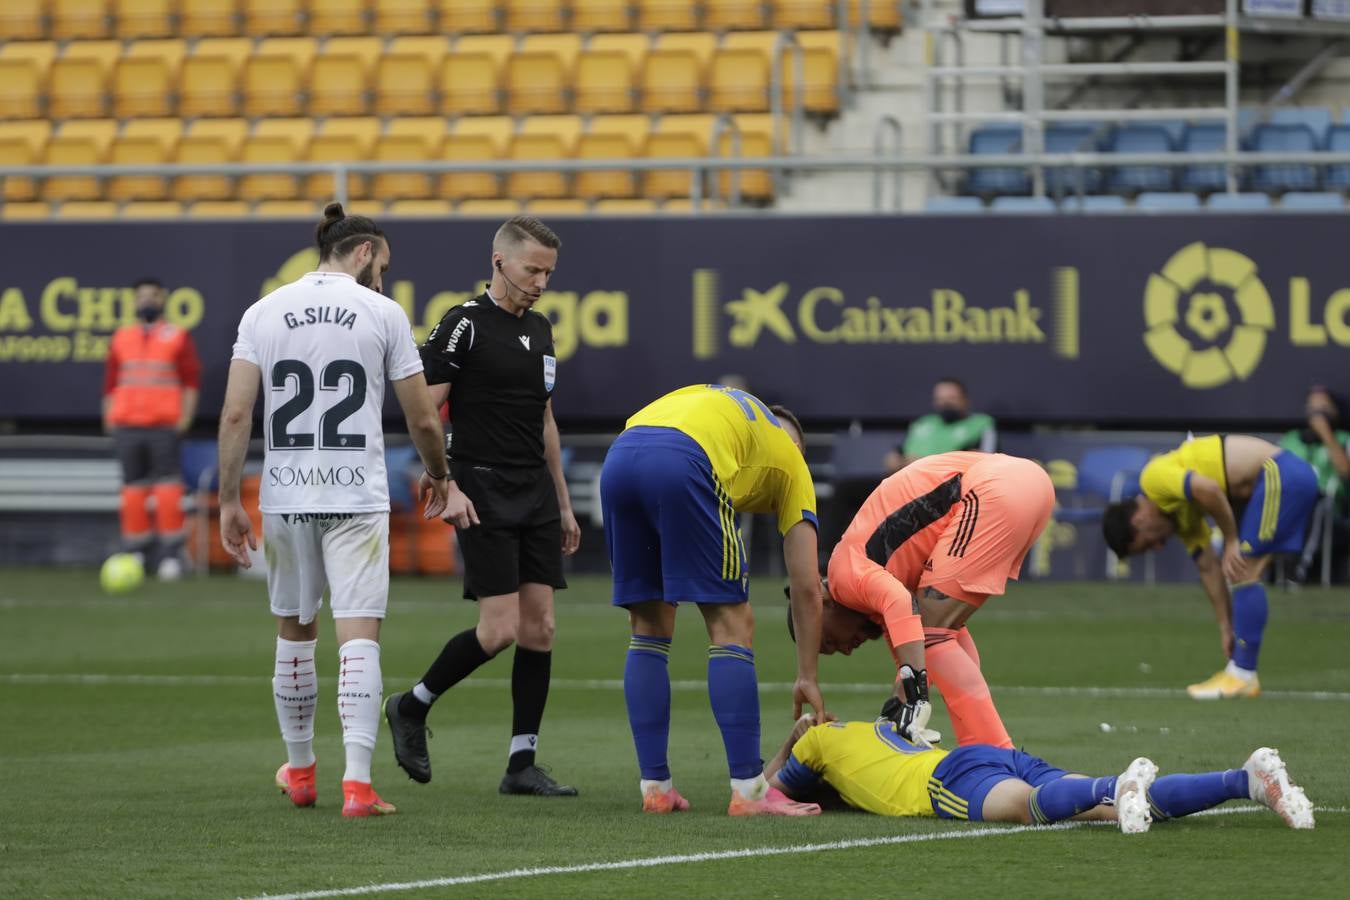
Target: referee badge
<point>550,370</point>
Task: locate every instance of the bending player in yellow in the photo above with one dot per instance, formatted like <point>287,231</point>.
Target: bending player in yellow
<point>870,767</point>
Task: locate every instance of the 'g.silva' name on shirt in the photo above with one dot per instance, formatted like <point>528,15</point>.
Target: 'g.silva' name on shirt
<point>322,315</point>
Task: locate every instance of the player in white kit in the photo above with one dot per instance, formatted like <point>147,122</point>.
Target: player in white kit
<point>321,348</point>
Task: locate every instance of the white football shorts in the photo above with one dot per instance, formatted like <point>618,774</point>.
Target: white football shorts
<point>346,554</point>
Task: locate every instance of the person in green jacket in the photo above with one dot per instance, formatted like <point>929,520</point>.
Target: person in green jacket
<point>1321,442</point>
<point>950,426</point>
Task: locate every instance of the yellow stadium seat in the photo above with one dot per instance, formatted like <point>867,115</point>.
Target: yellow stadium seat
<point>301,49</point>
<point>170,51</point>
<point>297,131</point>
<point>462,185</point>
<point>339,17</point>
<point>208,87</point>
<point>820,65</point>
<point>725,15</point>
<point>364,129</point>
<point>142,87</point>
<point>404,85</point>
<point>268,185</point>
<point>564,206</point>
<point>403,16</point>
<point>22,20</point>
<point>372,208</point>
<point>756,184</point>
<point>564,46</point>
<point>633,46</point>
<point>534,15</point>
<point>272,86</point>
<point>661,184</point>
<point>367,49</point>
<point>20,89</point>
<point>76,89</point>
<point>498,46</point>
<point>33,134</point>
<point>265,17</point>
<point>15,151</point>
<point>497,129</point>
<point>166,131</point>
<point>336,148</point>
<point>338,87</point>
<point>803,14</point>
<point>143,18</point>
<point>633,127</point>
<point>152,209</point>
<point>100,131</point>
<point>882,15</point>
<point>625,207</point>
<point>602,15</point>
<point>738,81</point>
<point>287,209</point>
<point>700,43</point>
<point>71,151</point>
<point>430,129</point>
<point>87,209</point>
<point>433,48</point>
<point>234,49</point>
<point>231,131</point>
<point>79,19</point>
<point>39,53</point>
<point>468,85</point>
<point>205,150</point>
<point>565,128</point>
<point>671,82</point>
<point>607,182</point>
<point>667,15</point>
<point>137,151</point>
<point>469,16</point>
<point>420,209</point>
<point>27,212</point>
<point>542,183</point>
<point>208,18</point>
<point>219,209</point>
<point>535,83</point>
<point>500,209</point>
<point>401,185</point>
<point>604,83</point>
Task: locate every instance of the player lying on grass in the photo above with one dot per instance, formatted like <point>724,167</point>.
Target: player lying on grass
<point>869,766</point>
<point>1273,493</point>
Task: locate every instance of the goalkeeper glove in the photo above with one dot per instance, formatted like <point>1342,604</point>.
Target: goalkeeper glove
<point>910,715</point>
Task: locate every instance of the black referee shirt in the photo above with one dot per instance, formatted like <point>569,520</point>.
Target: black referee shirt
<point>501,370</point>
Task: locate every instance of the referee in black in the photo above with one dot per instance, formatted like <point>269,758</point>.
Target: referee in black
<point>508,498</point>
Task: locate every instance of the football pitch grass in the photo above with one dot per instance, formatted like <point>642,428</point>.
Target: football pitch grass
<point>138,744</point>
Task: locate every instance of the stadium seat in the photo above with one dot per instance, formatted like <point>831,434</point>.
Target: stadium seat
<point>566,128</point>
<point>1167,202</point>
<point>287,209</point>
<point>468,83</point>
<point>401,185</point>
<point>71,151</point>
<point>606,183</point>
<point>16,151</point>
<point>469,16</point>
<point>671,82</point>
<point>234,49</point>
<point>170,51</point>
<point>541,183</point>
<point>365,48</point>
<point>803,14</point>
<point>535,83</point>
<point>1073,137</point>
<point>166,131</point>
<point>469,185</point>
<point>335,148</point>
<point>25,211</point>
<point>1140,139</point>
<point>20,89</point>
<point>602,15</point>
<point>604,83</point>
<point>821,73</point>
<point>638,206</point>
<point>1238,201</point>
<point>498,209</point>
<point>756,185</point>
<point>208,18</point>
<point>218,209</point>
<point>566,47</point>
<point>297,130</point>
<point>139,151</point>
<point>414,209</point>
<point>948,205</point>
<point>726,15</point>
<point>143,18</point>
<point>363,129</point>
<point>663,184</point>
<point>339,17</point>
<point>1204,137</point>
<point>429,129</point>
<point>404,85</point>
<point>1284,139</point>
<point>497,129</point>
<point>142,87</point>
<point>300,49</point>
<point>165,210</point>
<point>22,20</point>
<point>231,131</point>
<point>1316,119</point>
<point>1022,205</point>
<point>1338,141</point>
<point>338,86</point>
<point>272,86</point>
<point>100,131</point>
<point>79,19</point>
<point>565,206</point>
<point>634,127</point>
<point>535,15</point>
<point>882,15</point>
<point>738,81</point>
<point>274,17</point>
<point>105,53</point>
<point>40,53</point>
<point>87,209</point>
<point>997,140</point>
<point>703,44</point>
<point>667,15</point>
<point>202,150</point>
<point>402,16</point>
<point>208,87</point>
<point>633,46</point>
<point>76,89</point>
<point>432,48</point>
<point>1312,200</point>
<point>1098,203</point>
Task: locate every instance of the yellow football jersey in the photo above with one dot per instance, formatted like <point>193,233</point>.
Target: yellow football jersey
<point>872,767</point>
<point>755,459</point>
<point>1166,480</point>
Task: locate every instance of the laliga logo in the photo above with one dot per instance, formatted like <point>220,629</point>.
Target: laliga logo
<point>1207,316</point>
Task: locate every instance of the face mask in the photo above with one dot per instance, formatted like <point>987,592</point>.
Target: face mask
<point>950,414</point>
<point>148,314</point>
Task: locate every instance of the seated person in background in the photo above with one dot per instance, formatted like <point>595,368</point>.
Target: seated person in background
<point>870,767</point>
<point>950,426</point>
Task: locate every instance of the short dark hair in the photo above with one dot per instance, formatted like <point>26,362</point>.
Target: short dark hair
<point>519,229</point>
<point>783,412</point>
<point>960,385</point>
<point>147,281</point>
<point>339,234</point>
<point>1117,527</point>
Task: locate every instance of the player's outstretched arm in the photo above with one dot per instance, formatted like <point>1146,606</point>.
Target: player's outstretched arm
<point>424,427</point>
<point>799,552</point>
<point>799,728</point>
<point>236,426</point>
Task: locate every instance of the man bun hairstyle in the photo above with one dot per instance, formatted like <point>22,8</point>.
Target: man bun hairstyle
<point>1117,527</point>
<point>519,229</point>
<point>339,234</point>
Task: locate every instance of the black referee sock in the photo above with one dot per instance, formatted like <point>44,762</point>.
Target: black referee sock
<point>461,655</point>
<point>530,674</point>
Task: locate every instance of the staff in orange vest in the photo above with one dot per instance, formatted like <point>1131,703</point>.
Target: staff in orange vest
<point>150,392</point>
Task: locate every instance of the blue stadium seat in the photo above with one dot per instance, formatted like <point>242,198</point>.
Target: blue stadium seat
<point>1141,139</point>
<point>397,462</point>
<point>1074,137</point>
<point>1237,202</point>
<point>1284,138</point>
<point>1107,474</point>
<point>1338,141</point>
<point>993,140</point>
<point>962,205</point>
<point>1316,118</point>
<point>197,459</point>
<point>1167,202</point>
<point>1205,137</point>
<point>1100,203</point>
<point>1312,200</point>
<point>1021,205</point>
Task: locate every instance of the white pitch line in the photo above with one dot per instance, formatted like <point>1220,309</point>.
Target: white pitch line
<point>76,679</point>
<point>717,856</point>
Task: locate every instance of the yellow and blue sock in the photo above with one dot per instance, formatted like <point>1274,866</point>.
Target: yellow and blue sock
<point>1173,796</point>
<point>646,690</point>
<point>1250,610</point>
<point>1065,798</point>
<point>734,692</point>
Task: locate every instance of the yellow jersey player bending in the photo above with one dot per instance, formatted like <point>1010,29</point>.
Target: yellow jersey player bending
<point>1259,496</point>
<point>870,767</point>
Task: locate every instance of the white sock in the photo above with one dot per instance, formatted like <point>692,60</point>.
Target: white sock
<point>295,690</point>
<point>421,693</point>
<point>751,788</point>
<point>359,689</point>
<point>664,787</point>
<point>1238,672</point>
<point>521,742</point>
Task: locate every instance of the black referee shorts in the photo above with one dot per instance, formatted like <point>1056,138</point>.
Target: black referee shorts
<point>519,538</point>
